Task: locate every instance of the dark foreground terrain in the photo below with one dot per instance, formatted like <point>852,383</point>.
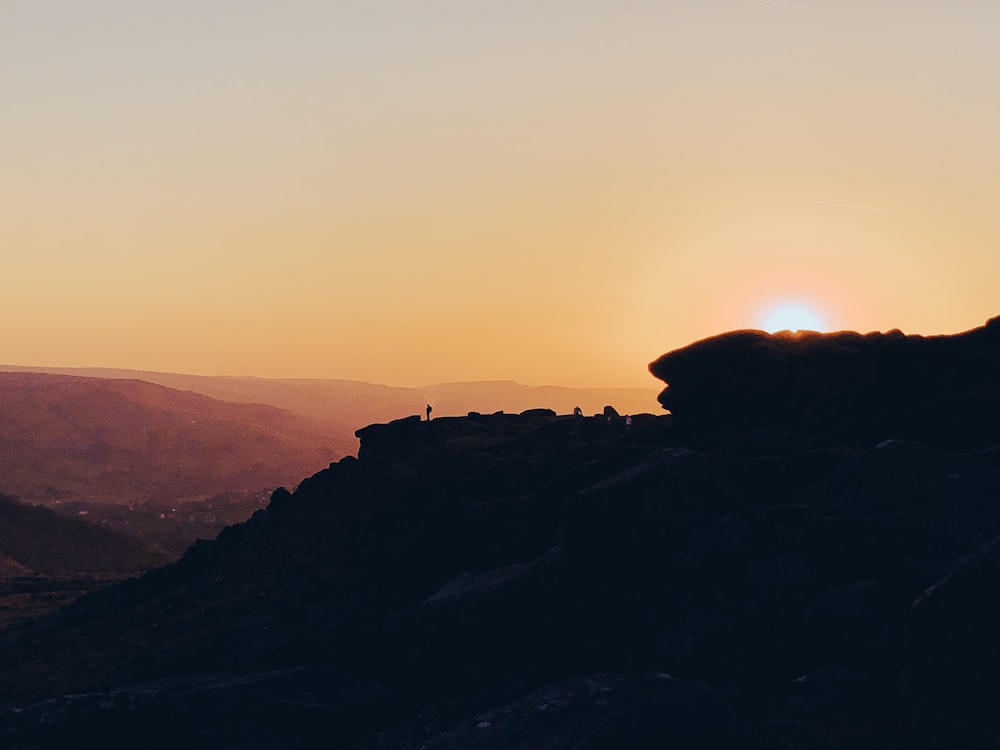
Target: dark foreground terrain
<point>804,555</point>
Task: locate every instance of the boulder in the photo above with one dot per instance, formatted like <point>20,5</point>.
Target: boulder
<point>538,412</point>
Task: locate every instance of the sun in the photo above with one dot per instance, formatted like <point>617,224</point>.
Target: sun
<point>791,316</point>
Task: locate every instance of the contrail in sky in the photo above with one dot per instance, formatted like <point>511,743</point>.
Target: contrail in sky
<point>853,205</point>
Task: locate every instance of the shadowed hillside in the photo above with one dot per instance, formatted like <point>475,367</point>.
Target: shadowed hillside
<point>117,441</point>
<point>814,566</point>
<point>40,541</point>
<point>47,561</point>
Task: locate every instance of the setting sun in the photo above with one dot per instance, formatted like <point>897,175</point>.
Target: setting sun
<point>791,316</point>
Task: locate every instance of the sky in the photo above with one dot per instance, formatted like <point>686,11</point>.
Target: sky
<point>547,191</point>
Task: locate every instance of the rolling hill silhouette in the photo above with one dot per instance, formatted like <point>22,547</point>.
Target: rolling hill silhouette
<point>347,405</point>
<point>121,441</point>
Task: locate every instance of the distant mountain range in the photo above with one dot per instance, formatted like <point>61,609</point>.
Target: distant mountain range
<point>106,435</point>
<point>350,404</point>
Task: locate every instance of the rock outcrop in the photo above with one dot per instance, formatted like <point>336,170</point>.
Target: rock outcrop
<point>840,387</point>
<point>802,554</point>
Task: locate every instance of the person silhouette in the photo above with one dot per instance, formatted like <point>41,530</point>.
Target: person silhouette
<point>577,411</point>
<point>429,412</point>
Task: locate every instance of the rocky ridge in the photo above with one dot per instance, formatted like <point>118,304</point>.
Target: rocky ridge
<point>801,555</point>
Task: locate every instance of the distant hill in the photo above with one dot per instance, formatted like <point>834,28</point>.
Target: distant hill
<point>37,540</point>
<point>347,405</point>
<point>102,440</point>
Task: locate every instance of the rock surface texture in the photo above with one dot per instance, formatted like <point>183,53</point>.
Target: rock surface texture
<point>804,554</point>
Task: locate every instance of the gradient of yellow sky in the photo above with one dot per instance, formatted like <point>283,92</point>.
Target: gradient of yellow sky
<point>546,191</point>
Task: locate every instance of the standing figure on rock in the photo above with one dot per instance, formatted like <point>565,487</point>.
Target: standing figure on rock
<point>577,411</point>
<point>429,412</point>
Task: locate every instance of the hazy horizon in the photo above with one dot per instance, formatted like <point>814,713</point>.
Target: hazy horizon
<point>543,192</point>
<point>654,384</point>
<point>70,369</point>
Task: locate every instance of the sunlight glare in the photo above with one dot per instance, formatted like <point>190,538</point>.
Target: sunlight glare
<point>791,316</point>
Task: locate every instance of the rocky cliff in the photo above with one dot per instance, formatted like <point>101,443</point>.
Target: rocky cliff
<point>801,555</point>
<point>842,386</point>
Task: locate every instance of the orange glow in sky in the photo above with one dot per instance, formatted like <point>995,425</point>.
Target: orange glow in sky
<point>549,192</point>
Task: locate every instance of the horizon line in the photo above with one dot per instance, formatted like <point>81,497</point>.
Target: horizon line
<point>74,370</point>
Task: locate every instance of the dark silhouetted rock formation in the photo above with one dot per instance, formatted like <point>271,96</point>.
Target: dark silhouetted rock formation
<point>842,386</point>
<point>802,555</point>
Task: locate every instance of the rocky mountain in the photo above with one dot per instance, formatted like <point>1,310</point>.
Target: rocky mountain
<point>804,554</point>
<point>102,440</point>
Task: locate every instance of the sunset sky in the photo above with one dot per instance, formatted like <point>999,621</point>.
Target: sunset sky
<point>549,191</point>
